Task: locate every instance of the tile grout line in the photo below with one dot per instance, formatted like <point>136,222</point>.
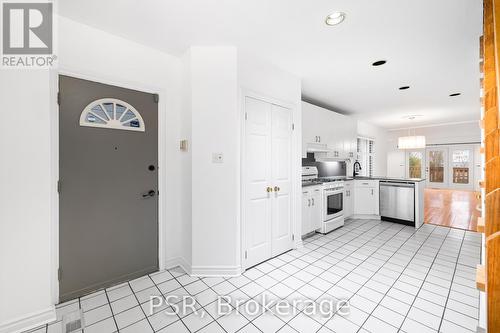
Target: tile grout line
<point>112,312</point>
<point>345,276</point>
<point>392,285</point>
<point>317,254</point>
<point>140,306</point>
<point>449,290</point>
<point>315,276</point>
<point>346,256</point>
<point>305,282</point>
<point>423,281</point>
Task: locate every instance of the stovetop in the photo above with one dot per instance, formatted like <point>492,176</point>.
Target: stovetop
<point>320,181</point>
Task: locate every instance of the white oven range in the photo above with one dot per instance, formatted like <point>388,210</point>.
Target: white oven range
<point>333,198</point>
<point>333,205</point>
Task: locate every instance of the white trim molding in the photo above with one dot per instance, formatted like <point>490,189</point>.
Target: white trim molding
<point>216,271</point>
<point>178,262</point>
<point>30,321</point>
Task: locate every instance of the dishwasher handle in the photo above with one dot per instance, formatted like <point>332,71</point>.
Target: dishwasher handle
<point>394,184</point>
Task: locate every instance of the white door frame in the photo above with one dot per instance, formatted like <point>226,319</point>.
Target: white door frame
<point>294,149</point>
<point>445,183</point>
<point>54,177</point>
<point>424,161</point>
<point>470,185</point>
<point>448,174</point>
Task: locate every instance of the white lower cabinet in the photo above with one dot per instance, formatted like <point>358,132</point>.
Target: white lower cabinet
<point>366,197</point>
<point>348,199</point>
<point>312,216</point>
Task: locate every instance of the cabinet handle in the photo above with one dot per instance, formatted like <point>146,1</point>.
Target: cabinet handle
<point>319,138</point>
<point>372,191</point>
<point>276,189</point>
<point>269,189</point>
<point>366,183</point>
<point>312,201</point>
<point>309,202</point>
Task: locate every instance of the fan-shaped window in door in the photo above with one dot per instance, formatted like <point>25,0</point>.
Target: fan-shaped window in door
<point>112,113</point>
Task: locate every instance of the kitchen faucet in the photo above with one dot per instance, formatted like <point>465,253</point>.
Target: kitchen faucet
<point>356,168</point>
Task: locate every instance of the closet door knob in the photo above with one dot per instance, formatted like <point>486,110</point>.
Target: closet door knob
<point>276,189</point>
<point>269,189</point>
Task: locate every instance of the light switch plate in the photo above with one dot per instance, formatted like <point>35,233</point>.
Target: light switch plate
<point>217,158</point>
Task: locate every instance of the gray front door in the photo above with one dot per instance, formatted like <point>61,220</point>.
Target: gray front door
<point>108,204</point>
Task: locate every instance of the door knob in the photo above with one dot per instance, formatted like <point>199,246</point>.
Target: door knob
<point>269,189</point>
<point>276,189</point>
<point>151,193</point>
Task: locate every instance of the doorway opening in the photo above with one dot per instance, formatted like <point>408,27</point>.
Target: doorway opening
<point>452,185</point>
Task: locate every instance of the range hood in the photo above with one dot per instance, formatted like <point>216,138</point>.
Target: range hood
<point>317,148</point>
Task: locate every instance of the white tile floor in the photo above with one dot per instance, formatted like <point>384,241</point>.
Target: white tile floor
<point>396,279</point>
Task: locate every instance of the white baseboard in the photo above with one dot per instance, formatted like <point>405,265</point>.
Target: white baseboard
<point>364,217</point>
<point>204,271</point>
<point>30,321</point>
<point>178,261</point>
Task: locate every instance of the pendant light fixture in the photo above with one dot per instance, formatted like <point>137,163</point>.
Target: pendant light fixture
<point>411,141</point>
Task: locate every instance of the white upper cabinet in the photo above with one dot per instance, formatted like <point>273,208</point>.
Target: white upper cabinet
<point>329,129</point>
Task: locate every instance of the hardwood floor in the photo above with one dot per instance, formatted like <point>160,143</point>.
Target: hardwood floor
<point>451,208</point>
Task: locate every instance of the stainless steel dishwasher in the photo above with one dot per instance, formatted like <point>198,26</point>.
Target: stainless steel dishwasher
<point>397,201</point>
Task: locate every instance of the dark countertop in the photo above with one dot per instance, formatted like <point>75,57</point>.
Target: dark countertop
<point>413,180</point>
<point>307,184</point>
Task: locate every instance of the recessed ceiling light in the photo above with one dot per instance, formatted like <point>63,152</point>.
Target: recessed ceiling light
<point>455,94</point>
<point>335,18</point>
<point>412,116</point>
<point>404,87</point>
<point>379,63</point>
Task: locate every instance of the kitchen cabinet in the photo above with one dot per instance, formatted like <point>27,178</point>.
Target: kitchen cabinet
<point>348,199</point>
<point>336,131</point>
<point>312,216</point>
<point>366,197</point>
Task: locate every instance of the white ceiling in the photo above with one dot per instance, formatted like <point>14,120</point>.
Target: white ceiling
<point>430,45</point>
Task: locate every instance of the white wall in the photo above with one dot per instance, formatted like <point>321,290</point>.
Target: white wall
<point>199,101</point>
<point>468,133</point>
<point>216,79</point>
<point>380,136</point>
<point>440,134</point>
<point>28,275</point>
<point>185,192</point>
<point>215,129</point>
<point>25,196</point>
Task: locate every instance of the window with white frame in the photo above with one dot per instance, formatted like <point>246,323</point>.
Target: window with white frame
<point>113,114</point>
<point>366,156</point>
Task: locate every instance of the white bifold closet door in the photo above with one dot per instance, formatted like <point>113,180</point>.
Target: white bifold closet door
<point>267,170</point>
